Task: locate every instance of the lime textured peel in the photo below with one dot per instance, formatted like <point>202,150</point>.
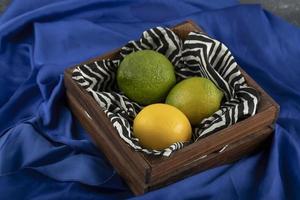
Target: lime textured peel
<point>146,76</point>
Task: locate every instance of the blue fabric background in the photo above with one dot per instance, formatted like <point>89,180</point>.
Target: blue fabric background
<point>45,153</point>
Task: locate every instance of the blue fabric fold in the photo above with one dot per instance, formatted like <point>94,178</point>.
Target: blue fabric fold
<point>46,154</point>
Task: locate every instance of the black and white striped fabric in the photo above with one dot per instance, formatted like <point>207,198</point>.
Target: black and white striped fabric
<point>198,55</point>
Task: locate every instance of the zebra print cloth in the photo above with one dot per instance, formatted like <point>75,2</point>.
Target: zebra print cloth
<point>198,55</point>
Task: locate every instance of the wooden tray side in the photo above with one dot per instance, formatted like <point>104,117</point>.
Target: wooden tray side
<point>207,145</point>
<point>233,152</point>
<point>128,163</point>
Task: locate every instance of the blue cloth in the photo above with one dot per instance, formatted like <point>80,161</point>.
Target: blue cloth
<point>45,153</point>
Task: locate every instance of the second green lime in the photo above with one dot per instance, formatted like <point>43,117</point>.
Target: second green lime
<point>196,97</point>
<point>146,76</point>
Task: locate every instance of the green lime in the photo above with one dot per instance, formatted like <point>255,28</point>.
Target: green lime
<point>196,97</point>
<point>146,76</point>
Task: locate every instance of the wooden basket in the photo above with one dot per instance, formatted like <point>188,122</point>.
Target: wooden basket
<point>143,172</point>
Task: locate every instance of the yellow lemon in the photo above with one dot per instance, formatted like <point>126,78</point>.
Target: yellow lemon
<point>158,126</point>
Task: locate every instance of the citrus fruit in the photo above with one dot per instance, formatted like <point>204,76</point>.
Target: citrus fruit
<point>146,76</point>
<point>158,126</point>
<point>196,97</point>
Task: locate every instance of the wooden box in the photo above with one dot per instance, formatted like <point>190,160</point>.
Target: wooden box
<point>143,172</point>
